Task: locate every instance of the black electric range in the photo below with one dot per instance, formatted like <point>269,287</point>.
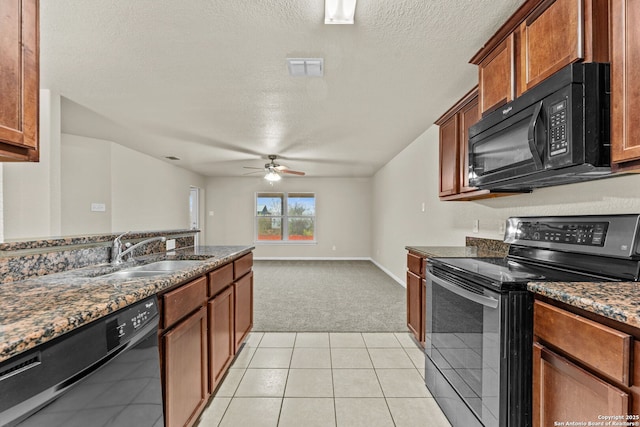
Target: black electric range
<point>479,328</point>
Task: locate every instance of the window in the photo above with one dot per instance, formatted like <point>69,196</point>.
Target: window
<point>285,217</point>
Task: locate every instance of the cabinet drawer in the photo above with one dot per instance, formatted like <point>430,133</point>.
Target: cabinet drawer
<point>603,349</point>
<point>414,264</point>
<point>564,391</point>
<point>182,301</point>
<point>220,279</point>
<point>242,265</point>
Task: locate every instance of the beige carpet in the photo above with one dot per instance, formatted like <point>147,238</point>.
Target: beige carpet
<point>326,296</point>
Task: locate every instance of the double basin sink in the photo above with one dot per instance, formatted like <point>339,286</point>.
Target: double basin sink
<point>153,269</point>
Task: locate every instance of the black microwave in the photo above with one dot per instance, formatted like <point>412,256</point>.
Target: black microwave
<point>555,133</point>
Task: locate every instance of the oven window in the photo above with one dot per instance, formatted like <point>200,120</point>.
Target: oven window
<point>463,340</point>
<point>502,150</point>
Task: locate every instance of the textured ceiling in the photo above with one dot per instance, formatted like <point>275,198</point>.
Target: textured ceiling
<point>207,80</point>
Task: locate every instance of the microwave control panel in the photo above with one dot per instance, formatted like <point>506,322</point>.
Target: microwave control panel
<point>583,233</point>
<point>558,128</point>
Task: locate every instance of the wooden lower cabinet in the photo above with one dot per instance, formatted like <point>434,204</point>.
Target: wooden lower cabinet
<point>204,323</point>
<point>221,336</point>
<point>185,370</point>
<point>243,308</point>
<point>414,306</point>
<point>416,291</point>
<point>584,366</point>
<point>565,392</point>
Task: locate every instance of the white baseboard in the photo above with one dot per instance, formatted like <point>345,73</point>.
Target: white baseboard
<point>388,272</point>
<point>385,270</point>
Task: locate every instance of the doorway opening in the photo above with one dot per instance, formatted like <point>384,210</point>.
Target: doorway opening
<point>194,212</point>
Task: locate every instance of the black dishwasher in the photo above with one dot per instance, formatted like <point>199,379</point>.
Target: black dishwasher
<point>106,373</point>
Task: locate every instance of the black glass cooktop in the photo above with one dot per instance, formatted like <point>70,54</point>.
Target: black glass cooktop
<point>500,272</point>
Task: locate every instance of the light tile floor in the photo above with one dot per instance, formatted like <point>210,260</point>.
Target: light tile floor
<point>325,379</point>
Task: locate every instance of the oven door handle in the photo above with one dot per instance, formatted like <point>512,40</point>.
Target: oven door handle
<point>480,299</point>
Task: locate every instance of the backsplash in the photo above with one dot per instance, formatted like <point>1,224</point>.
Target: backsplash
<point>24,259</point>
<point>488,244</point>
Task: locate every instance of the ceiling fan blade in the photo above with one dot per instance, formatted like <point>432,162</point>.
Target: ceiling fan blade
<point>292,172</point>
<point>251,167</point>
<point>251,173</point>
<point>281,167</point>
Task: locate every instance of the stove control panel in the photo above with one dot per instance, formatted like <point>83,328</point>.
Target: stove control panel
<point>572,233</point>
<point>602,235</point>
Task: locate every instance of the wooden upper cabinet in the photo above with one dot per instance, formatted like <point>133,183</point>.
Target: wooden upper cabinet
<point>496,76</point>
<point>625,83</point>
<point>449,131</point>
<point>540,38</point>
<point>454,150</point>
<point>551,38</point>
<point>469,115</point>
<point>19,80</point>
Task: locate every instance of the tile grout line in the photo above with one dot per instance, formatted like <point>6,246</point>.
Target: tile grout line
<point>333,384</point>
<point>286,381</point>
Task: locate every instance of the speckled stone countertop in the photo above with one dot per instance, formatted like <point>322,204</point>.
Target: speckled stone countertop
<point>36,310</point>
<point>616,300</point>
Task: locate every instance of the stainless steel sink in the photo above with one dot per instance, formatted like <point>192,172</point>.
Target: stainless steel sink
<point>133,274</point>
<point>168,265</point>
<point>153,269</point>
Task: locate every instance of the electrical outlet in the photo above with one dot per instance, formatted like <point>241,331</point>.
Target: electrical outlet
<point>501,228</point>
<point>476,225</point>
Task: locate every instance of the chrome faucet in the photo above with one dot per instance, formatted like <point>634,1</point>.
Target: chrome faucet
<point>117,254</point>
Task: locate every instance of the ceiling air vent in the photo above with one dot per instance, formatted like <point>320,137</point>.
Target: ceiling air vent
<point>305,67</point>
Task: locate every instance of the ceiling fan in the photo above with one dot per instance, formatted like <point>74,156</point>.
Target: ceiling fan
<point>273,170</point>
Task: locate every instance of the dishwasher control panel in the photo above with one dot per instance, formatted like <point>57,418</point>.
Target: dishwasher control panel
<point>127,322</point>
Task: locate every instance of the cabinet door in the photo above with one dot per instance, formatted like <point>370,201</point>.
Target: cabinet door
<point>550,38</point>
<point>449,157</point>
<point>243,307</point>
<point>625,80</point>
<point>221,341</point>
<point>496,79</point>
<point>414,305</point>
<point>185,370</point>
<point>564,391</point>
<point>19,80</point>
<point>469,115</point>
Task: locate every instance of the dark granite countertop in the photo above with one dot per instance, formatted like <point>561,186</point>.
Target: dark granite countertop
<point>37,310</point>
<point>454,252</point>
<point>615,300</point>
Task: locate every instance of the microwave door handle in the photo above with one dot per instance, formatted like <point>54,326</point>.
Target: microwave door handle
<point>480,299</point>
<point>533,144</point>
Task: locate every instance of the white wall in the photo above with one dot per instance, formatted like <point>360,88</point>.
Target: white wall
<point>343,212</point>
<point>31,191</point>
<point>86,179</point>
<point>412,177</point>
<point>53,197</point>
<point>141,193</point>
<point>147,193</point>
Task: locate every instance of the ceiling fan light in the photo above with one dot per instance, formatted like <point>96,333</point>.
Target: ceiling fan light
<point>272,176</point>
<point>339,11</point>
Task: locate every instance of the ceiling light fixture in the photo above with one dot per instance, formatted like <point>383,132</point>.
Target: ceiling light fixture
<point>339,11</point>
<point>272,176</point>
